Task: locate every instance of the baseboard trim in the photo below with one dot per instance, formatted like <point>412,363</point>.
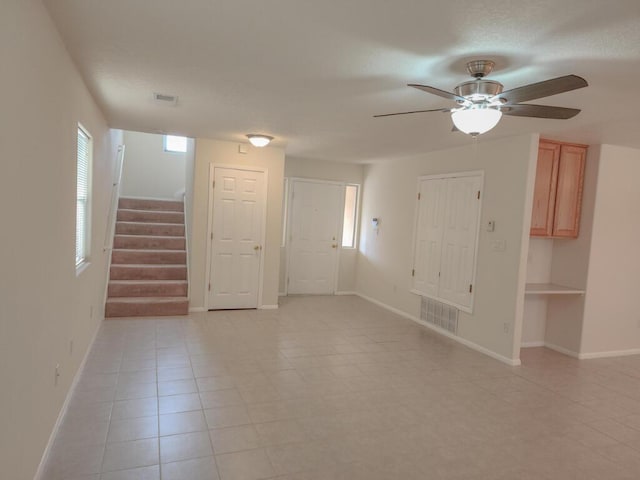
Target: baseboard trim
<point>65,406</point>
<point>197,309</point>
<point>466,343</point>
<point>345,293</point>
<point>613,353</point>
<point>268,307</point>
<point>532,344</point>
<point>563,350</point>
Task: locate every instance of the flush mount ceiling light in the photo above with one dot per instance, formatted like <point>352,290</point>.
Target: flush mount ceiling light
<point>476,120</point>
<point>259,140</point>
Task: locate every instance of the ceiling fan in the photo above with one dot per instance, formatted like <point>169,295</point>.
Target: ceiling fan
<point>481,102</point>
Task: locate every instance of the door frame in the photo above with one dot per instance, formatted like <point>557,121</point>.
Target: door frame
<point>292,181</point>
<point>209,239</point>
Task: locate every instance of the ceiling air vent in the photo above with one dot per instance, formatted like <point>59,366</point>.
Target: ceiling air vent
<point>165,99</point>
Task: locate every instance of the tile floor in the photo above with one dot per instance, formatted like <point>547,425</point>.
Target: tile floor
<point>337,388</point>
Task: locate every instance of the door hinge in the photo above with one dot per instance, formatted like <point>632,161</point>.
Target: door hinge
<point>213,185</point>
<point>439,274</point>
<point>470,288</point>
<point>413,272</point>
<point>211,235</point>
<point>209,287</point>
<point>418,196</point>
<point>478,194</point>
<point>287,280</point>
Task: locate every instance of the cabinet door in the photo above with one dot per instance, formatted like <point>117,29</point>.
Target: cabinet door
<point>544,195</point>
<point>569,191</point>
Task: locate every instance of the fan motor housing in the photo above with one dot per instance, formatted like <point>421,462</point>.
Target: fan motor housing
<point>478,89</point>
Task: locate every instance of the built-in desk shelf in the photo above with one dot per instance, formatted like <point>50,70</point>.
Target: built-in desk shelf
<point>550,289</point>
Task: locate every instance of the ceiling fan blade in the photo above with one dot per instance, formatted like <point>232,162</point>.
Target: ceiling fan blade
<point>542,89</point>
<point>539,111</point>
<point>438,92</point>
<point>415,111</point>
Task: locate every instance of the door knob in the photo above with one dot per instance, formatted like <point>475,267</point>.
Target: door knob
<point>257,247</point>
<point>334,246</point>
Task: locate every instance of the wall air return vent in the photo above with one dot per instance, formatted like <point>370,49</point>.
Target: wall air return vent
<point>439,314</point>
<point>165,99</point>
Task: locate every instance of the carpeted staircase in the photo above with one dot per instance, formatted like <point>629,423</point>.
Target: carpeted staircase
<point>148,275</point>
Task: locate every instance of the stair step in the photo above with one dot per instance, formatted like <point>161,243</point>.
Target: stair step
<point>148,272</point>
<point>150,216</point>
<point>140,204</point>
<point>146,306</point>
<point>164,257</point>
<point>154,229</point>
<point>147,288</point>
<point>149,242</point>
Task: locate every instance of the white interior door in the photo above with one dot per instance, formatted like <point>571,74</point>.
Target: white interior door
<point>236,242</point>
<point>313,242</point>
<point>459,240</point>
<point>428,249</point>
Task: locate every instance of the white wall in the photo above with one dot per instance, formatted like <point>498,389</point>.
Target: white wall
<point>209,152</point>
<point>385,261</point>
<point>336,172</point>
<point>43,304</point>
<point>535,306</point>
<point>149,171</point>
<point>611,316</point>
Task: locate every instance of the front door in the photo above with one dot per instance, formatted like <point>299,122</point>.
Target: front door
<point>314,226</point>
<point>236,241</point>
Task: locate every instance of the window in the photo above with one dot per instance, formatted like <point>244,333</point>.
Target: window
<point>446,238</point>
<point>285,213</point>
<point>175,144</point>
<point>350,216</point>
<point>83,187</point>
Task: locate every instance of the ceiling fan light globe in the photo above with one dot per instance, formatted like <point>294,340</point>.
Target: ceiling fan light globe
<point>476,121</point>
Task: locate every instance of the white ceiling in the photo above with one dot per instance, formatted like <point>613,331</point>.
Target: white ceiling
<point>312,72</point>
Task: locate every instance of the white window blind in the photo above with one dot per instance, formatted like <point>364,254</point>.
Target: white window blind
<point>82,196</point>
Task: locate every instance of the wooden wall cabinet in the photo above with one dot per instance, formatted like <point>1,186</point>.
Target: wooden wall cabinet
<point>557,194</point>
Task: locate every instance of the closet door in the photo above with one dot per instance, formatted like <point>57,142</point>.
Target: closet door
<point>460,240</point>
<point>428,242</point>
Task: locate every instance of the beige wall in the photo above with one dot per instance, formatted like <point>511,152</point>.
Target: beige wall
<point>611,320</point>
<point>335,172</point>
<point>149,171</point>
<point>209,152</point>
<point>43,304</point>
<point>385,261</point>
<point>539,259</point>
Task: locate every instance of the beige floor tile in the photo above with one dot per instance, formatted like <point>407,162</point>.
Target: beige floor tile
<point>133,429</point>
<point>134,408</point>
<point>195,469</point>
<point>337,388</point>
<point>234,439</point>
<point>246,465</point>
<point>127,455</point>
<point>227,416</point>
<point>179,403</point>
<point>142,473</point>
<point>184,422</point>
<point>280,432</point>
<point>185,446</point>
<point>177,387</point>
<point>221,398</point>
